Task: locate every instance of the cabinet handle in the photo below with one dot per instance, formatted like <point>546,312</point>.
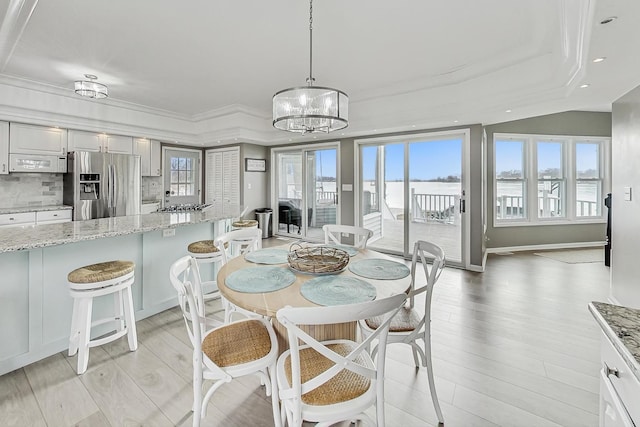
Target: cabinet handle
<point>611,371</point>
<point>4,167</point>
<point>12,219</point>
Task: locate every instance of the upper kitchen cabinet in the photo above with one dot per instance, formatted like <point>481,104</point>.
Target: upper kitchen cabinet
<point>118,144</point>
<point>99,142</point>
<point>149,152</point>
<point>30,139</point>
<point>4,148</point>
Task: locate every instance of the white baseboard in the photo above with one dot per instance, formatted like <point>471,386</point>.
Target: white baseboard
<point>546,247</point>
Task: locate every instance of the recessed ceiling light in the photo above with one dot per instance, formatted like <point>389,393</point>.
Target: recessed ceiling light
<point>584,85</point>
<point>413,126</point>
<point>218,142</point>
<point>602,58</point>
<point>507,111</point>
<point>455,121</point>
<point>608,20</point>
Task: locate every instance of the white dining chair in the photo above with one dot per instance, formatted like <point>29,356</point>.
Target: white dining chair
<point>237,243</point>
<point>221,354</point>
<point>410,325</point>
<point>333,234</point>
<point>330,381</point>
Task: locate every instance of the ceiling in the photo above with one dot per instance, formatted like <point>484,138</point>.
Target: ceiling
<point>405,65</point>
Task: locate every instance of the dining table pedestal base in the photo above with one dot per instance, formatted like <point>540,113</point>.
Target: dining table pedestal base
<point>320,332</point>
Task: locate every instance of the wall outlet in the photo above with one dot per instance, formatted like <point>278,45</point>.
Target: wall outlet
<point>169,232</point>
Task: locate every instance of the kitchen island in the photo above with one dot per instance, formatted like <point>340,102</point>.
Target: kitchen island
<point>35,306</point>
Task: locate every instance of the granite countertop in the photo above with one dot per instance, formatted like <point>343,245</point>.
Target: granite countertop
<point>622,326</point>
<point>34,209</point>
<point>40,236</point>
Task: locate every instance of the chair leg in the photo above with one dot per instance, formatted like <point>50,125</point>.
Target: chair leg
<point>132,335</point>
<point>197,392</point>
<point>118,311</point>
<point>84,321</point>
<point>74,335</point>
<point>275,401</point>
<point>432,384</point>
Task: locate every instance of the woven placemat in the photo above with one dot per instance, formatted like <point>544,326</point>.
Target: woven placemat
<point>267,256</point>
<point>258,280</point>
<point>384,269</point>
<point>351,250</point>
<point>337,290</point>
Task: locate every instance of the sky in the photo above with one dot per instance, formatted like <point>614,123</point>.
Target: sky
<point>427,160</point>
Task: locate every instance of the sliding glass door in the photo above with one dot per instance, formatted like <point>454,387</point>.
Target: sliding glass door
<point>411,190</point>
<point>306,184</point>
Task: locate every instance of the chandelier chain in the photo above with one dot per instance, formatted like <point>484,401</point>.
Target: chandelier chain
<point>310,80</point>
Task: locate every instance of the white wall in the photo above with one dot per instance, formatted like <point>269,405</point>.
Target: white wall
<point>625,215</point>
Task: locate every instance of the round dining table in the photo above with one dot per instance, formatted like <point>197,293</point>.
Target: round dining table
<point>268,303</point>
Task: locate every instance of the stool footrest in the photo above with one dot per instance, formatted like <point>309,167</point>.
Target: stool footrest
<point>112,337</point>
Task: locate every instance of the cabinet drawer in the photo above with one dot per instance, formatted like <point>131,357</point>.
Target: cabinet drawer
<point>24,218</point>
<point>622,379</point>
<point>63,215</point>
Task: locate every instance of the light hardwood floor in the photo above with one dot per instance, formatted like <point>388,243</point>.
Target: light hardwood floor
<point>513,346</point>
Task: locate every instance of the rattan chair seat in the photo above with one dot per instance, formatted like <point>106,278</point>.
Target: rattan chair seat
<point>406,320</point>
<point>203,247</point>
<point>237,343</point>
<point>101,272</point>
<point>245,223</point>
<point>345,386</point>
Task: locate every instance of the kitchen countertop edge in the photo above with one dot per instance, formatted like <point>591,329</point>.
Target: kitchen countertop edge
<point>625,338</point>
<point>34,209</point>
<point>14,239</point>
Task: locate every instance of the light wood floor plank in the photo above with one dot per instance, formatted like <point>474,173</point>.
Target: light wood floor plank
<point>62,397</point>
<point>18,405</point>
<point>120,399</point>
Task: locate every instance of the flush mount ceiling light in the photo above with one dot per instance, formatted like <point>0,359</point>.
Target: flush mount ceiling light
<point>310,109</point>
<point>91,88</point>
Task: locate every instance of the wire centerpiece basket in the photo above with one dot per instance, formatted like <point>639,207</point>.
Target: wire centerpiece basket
<point>317,259</point>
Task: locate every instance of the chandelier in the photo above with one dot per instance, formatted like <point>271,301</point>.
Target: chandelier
<point>90,87</point>
<point>310,109</point>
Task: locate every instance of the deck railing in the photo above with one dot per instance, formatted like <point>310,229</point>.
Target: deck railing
<point>434,207</point>
<point>511,207</point>
<point>326,197</point>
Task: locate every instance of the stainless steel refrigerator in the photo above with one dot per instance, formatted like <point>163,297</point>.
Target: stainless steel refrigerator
<point>102,185</point>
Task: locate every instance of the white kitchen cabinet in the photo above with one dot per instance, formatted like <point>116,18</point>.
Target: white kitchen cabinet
<point>99,142</point>
<point>118,144</point>
<point>155,163</point>
<point>149,152</point>
<point>17,219</point>
<point>52,217</point>
<point>30,139</point>
<point>4,148</point>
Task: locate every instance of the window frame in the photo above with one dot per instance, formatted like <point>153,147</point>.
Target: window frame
<point>530,176</point>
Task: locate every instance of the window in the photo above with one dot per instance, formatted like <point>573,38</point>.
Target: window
<point>182,174</point>
<point>549,179</point>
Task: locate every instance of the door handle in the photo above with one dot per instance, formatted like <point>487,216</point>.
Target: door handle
<point>462,206</point>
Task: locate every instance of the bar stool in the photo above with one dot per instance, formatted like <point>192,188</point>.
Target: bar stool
<point>205,252</point>
<point>88,282</point>
<point>244,224</point>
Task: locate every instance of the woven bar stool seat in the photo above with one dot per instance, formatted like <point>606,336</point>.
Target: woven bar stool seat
<point>245,223</point>
<point>204,252</point>
<point>96,280</point>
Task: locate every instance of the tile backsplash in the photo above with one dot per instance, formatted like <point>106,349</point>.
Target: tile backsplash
<point>151,188</point>
<point>18,190</point>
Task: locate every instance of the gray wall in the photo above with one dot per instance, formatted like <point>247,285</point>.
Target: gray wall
<point>625,215</point>
<point>576,123</point>
<point>258,195</point>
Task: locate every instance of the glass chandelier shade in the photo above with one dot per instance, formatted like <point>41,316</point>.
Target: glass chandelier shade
<point>91,88</point>
<point>310,109</point>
